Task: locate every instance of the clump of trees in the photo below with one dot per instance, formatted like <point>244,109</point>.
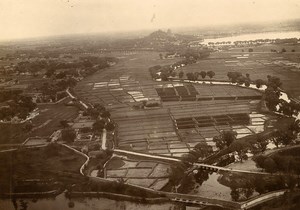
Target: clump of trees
<point>55,90</point>
<point>195,76</point>
<point>190,56</point>
<point>278,162</point>
<point>15,105</point>
<point>237,77</point>
<point>68,135</point>
<point>200,151</point>
<point>225,139</point>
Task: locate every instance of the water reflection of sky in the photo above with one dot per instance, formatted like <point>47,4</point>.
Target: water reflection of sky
<point>209,185</point>
<point>255,36</point>
<point>211,188</point>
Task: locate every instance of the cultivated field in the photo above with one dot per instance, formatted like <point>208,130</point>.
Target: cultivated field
<point>258,64</point>
<point>50,116</point>
<point>186,113</point>
<point>143,173</point>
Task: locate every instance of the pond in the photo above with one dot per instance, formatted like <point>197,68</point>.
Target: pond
<point>61,202</point>
<point>221,186</point>
<point>235,186</point>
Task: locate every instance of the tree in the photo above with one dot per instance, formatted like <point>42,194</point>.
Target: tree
<point>286,108</point>
<point>272,98</point>
<point>105,114</point>
<point>161,56</point>
<point>247,83</point>
<point>262,144</point>
<point>259,83</point>
<point>211,74</point>
<point>203,149</point>
<point>235,194</point>
<point>203,74</point>
<point>190,158</point>
<point>49,72</point>
<point>283,50</point>
<point>241,148</point>
<point>233,76</point>
<point>27,127</point>
<point>259,184</point>
<point>291,182</point>
<point>259,160</point>
<point>98,126</point>
<point>181,74</point>
<point>250,50</point>
<point>177,172</point>
<point>110,126</point>
<point>163,76</point>
<point>68,135</point>
<point>190,76</point>
<point>270,165</point>
<point>99,107</point>
<point>64,123</point>
<point>274,138</point>
<point>241,80</point>
<point>225,139</point>
<point>93,112</point>
<point>196,74</point>
<point>274,82</point>
<point>285,137</point>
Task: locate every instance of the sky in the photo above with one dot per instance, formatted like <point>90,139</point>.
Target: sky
<point>36,18</point>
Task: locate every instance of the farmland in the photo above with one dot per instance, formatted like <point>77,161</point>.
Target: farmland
<point>258,64</point>
<point>50,116</point>
<point>143,173</point>
<point>44,124</point>
<point>184,115</point>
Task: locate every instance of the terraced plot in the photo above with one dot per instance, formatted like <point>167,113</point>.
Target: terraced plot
<point>154,175</point>
<point>188,92</point>
<point>200,122</point>
<point>146,130</point>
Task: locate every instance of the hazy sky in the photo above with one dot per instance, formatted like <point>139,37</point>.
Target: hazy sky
<point>33,18</point>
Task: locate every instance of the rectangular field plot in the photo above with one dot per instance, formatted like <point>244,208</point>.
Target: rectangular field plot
<point>150,131</point>
<point>160,171</point>
<point>138,172</point>
<point>116,173</point>
<point>144,173</point>
<point>183,111</point>
<point>141,182</point>
<point>177,92</point>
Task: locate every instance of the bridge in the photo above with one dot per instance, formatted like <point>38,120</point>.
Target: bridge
<point>175,160</point>
<point>262,198</point>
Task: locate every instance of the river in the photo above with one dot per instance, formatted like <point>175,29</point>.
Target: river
<point>255,36</point>
<point>61,202</point>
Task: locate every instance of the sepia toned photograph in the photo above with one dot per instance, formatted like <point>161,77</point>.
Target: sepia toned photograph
<point>150,105</point>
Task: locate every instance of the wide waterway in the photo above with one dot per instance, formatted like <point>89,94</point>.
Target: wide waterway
<point>255,36</point>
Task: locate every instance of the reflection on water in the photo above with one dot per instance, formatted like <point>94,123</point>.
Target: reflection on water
<point>212,185</point>
<point>255,36</point>
<point>61,202</point>
<point>209,186</point>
